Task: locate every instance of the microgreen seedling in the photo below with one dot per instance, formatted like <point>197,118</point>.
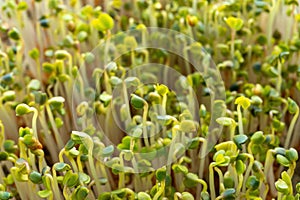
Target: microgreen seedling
<point>59,143</point>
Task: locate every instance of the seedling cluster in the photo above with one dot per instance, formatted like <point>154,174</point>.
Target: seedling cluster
<point>78,121</point>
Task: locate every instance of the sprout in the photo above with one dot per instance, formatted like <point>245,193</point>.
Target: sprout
<point>226,121</point>
<point>9,95</point>
<point>70,179</point>
<point>187,196</point>
<point>5,195</point>
<point>188,126</point>
<point>81,192</point>
<point>14,34</point>
<point>282,160</point>
<point>192,20</point>
<point>44,22</point>
<point>252,183</point>
<point>143,196</point>
<point>115,80</point>
<point>239,140</point>
<point>161,176</point>
<point>89,57</point>
<point>108,151</point>
<point>22,6</point>
<point>243,101</point>
<point>137,101</point>
<point>177,168</point>
<point>234,23</point>
<point>140,103</point>
<point>35,177</point>
<point>292,155</point>
<point>34,84</point>
<point>45,193</point>
<point>293,109</point>
<point>34,54</point>
<point>56,102</point>
<point>103,23</point>
<point>61,167</point>
<point>260,72</point>
<point>132,81</point>
<point>23,109</point>
<point>131,44</point>
<point>195,178</point>
<point>227,194</point>
<point>282,187</point>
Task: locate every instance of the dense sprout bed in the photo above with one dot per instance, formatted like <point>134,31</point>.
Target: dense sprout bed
<point>95,104</point>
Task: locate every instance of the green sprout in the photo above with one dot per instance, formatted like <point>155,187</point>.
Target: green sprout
<point>51,72</point>
<point>23,109</point>
<point>243,102</point>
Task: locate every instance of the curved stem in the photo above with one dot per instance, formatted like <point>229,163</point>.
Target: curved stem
<point>291,169</point>
<point>55,185</point>
<point>269,165</point>
<point>202,161</point>
<point>203,183</point>
<point>70,63</point>
<point>80,168</point>
<point>54,127</point>
<point>31,159</point>
<point>20,188</point>
<point>240,120</point>
<point>103,172</point>
<point>92,166</point>
<point>125,96</point>
<point>219,197</point>
<point>49,90</point>
<point>22,147</point>
<point>48,186</point>
<point>145,113</point>
<point>2,135</point>
<point>160,191</point>
<point>212,181</point>
<point>291,128</point>
<point>221,179</point>
<point>42,161</point>
<point>279,78</point>
<point>251,162</point>
<point>249,147</point>
<point>171,151</point>
<point>240,184</point>
<point>266,191</point>
<point>279,196</point>
<point>233,174</point>
<point>34,122</point>
<point>121,174</point>
<point>232,131</point>
<point>65,193</point>
<point>6,61</point>
<point>202,156</point>
<point>53,150</point>
<point>60,155</point>
<point>72,161</point>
